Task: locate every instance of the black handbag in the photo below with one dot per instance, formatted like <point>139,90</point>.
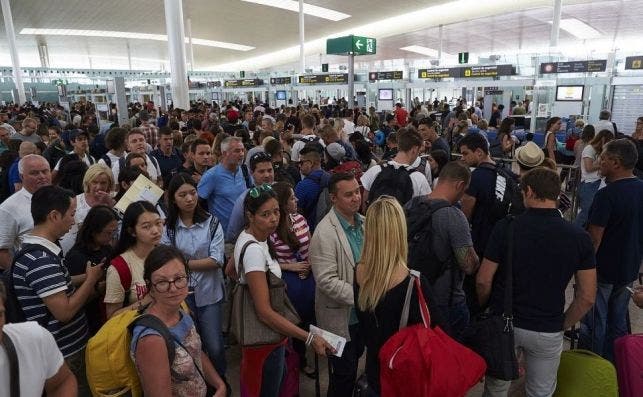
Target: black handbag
<point>492,335</point>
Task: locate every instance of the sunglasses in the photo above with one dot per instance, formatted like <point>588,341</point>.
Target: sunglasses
<point>256,191</point>
<point>261,156</point>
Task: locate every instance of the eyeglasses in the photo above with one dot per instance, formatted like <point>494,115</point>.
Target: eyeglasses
<point>260,157</point>
<point>256,191</point>
<point>164,285</point>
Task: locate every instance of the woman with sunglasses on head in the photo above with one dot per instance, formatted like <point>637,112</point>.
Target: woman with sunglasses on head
<point>166,276</point>
<point>140,232</point>
<point>262,367</point>
<point>291,241</point>
<point>199,236</point>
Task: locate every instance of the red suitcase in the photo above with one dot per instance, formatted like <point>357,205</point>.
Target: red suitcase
<point>628,352</point>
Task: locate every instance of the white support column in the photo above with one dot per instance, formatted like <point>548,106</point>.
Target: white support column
<point>555,26</point>
<point>302,57</point>
<point>13,50</point>
<point>129,57</point>
<point>176,51</point>
<point>441,28</point>
<point>190,46</point>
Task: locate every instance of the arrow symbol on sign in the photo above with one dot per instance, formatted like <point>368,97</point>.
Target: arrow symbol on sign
<point>358,44</point>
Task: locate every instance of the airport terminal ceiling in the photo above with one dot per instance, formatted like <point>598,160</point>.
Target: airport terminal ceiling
<point>488,27</point>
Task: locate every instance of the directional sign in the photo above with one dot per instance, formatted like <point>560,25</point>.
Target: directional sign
<point>243,83</point>
<point>435,73</point>
<point>356,45</point>
<point>394,75</point>
<point>635,62</point>
<point>574,67</point>
<point>280,80</point>
<point>333,78</point>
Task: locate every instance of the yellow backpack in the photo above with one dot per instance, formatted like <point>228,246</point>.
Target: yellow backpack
<point>110,369</point>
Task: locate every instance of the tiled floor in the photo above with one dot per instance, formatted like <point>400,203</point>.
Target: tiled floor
<point>307,386</point>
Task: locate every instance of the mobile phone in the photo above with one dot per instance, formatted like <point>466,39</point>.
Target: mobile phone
<point>630,289</point>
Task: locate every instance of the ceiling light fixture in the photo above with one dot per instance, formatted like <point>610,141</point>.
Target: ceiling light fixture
<point>578,29</point>
<point>309,9</point>
<point>418,49</point>
<point>132,35</point>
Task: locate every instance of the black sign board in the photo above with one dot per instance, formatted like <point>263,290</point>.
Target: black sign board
<point>394,75</point>
<point>436,73</point>
<point>214,84</point>
<point>599,65</point>
<point>243,83</point>
<point>280,80</point>
<point>635,63</point>
<point>333,78</point>
<point>467,72</point>
<point>487,71</point>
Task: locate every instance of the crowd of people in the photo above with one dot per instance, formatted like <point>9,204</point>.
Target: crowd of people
<point>337,202</point>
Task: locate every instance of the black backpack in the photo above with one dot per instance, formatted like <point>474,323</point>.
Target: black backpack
<point>13,310</point>
<point>421,257</point>
<point>394,182</point>
<point>506,190</point>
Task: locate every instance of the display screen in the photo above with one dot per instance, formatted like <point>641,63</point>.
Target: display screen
<point>215,96</point>
<point>569,92</point>
<point>385,94</point>
<point>111,87</point>
<point>281,95</point>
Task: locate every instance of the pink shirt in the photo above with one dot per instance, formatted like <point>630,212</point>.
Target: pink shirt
<point>284,253</point>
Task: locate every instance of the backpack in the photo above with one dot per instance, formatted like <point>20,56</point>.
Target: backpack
<point>323,204</point>
<point>110,369</point>
<point>505,189</point>
<point>394,182</point>
<point>421,361</point>
<point>214,225</point>
<point>107,160</point>
<point>13,310</point>
<point>421,255</point>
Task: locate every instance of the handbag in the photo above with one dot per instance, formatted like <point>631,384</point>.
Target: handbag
<point>245,325</point>
<point>423,361</point>
<point>492,335</point>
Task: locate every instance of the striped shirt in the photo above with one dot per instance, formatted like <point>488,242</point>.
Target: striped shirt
<point>285,254</point>
<point>39,274</point>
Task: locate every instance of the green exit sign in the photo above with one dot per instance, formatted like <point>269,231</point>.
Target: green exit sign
<point>59,82</point>
<point>347,45</point>
<point>463,57</point>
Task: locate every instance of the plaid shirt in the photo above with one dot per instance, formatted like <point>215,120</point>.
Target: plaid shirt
<point>151,134</point>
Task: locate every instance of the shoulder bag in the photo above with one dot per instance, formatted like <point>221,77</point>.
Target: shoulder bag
<point>247,328</point>
<point>492,335</point>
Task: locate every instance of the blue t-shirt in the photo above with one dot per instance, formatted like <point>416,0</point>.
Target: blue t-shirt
<point>482,188</point>
<point>37,275</point>
<point>221,188</point>
<point>619,209</point>
<point>547,250</point>
<point>14,176</point>
<point>307,192</point>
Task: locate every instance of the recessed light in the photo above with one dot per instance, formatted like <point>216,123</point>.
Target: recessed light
<point>309,9</point>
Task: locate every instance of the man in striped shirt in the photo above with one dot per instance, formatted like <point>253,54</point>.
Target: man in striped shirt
<point>43,284</point>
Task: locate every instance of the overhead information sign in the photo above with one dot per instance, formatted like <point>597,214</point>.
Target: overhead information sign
<point>435,73</point>
<point>599,65</point>
<point>214,84</point>
<point>394,75</point>
<point>634,63</point>
<point>280,80</point>
<point>333,78</point>
<point>467,72</point>
<point>357,45</point>
<point>243,83</point>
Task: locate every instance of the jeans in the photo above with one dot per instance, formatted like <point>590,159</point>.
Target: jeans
<point>586,193</point>
<point>606,321</point>
<point>209,323</point>
<point>541,351</point>
<point>76,364</point>
<point>458,318</point>
<point>273,372</point>
<point>342,371</point>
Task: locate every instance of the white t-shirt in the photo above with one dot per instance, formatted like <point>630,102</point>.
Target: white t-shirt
<point>39,358</point>
<point>349,127</point>
<point>115,164</point>
<point>82,208</point>
<point>588,152</point>
<point>601,125</point>
<point>298,145</point>
<point>256,258</point>
<point>420,184</point>
<point>15,220</point>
